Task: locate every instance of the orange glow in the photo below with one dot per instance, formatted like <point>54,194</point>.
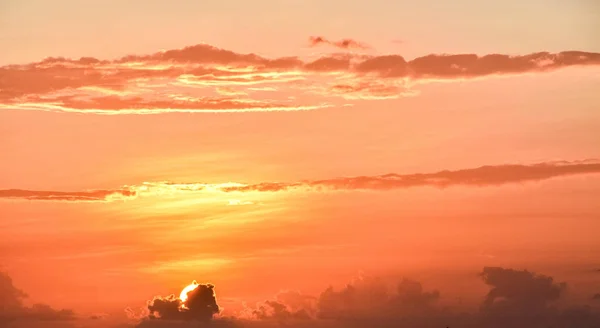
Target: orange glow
<point>261,146</point>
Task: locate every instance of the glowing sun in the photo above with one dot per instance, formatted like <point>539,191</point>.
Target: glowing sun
<point>183,296</point>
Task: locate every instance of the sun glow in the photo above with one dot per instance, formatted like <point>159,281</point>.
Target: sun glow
<point>183,296</point>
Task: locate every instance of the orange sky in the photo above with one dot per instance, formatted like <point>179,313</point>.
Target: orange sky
<point>145,149</point>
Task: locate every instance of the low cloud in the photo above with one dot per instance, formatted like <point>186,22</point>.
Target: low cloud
<point>199,304</point>
<point>516,298</point>
<point>15,314</point>
<point>519,297</point>
<point>287,305</point>
<point>371,299</point>
<point>490,175</point>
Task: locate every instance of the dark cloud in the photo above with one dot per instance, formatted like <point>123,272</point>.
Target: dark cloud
<point>444,66</point>
<point>200,306</point>
<point>519,290</point>
<point>279,311</point>
<point>218,323</point>
<point>343,44</point>
<point>13,312</point>
<point>287,306</point>
<point>596,297</point>
<point>99,316</point>
<point>522,289</point>
<point>516,298</point>
<point>520,298</point>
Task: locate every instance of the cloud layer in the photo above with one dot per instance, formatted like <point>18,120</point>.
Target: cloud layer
<point>491,175</point>
<point>516,298</point>
<point>192,79</point>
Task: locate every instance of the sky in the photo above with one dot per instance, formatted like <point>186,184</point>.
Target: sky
<point>275,148</point>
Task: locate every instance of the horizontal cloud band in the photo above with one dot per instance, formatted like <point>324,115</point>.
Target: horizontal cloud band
<point>189,79</point>
<point>481,176</point>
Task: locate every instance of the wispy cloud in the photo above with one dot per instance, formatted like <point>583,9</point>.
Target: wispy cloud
<point>482,176</point>
<point>343,44</point>
<point>491,175</point>
<point>203,78</point>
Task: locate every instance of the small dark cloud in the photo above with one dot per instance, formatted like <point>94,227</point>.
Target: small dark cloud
<point>99,316</point>
<point>342,44</point>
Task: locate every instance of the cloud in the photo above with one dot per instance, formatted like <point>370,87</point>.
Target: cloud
<point>287,305</point>
<point>519,297</point>
<point>482,176</point>
<point>370,299</point>
<point>99,316</point>
<point>524,299</point>
<point>93,195</point>
<point>201,78</point>
<point>12,310</point>
<point>524,289</point>
<point>278,311</point>
<point>343,44</point>
<point>596,297</point>
<point>491,175</point>
<point>198,304</point>
<point>516,298</point>
<point>116,105</point>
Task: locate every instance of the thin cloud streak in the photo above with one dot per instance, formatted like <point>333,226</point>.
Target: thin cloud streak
<point>142,110</point>
<point>193,79</point>
<point>475,177</point>
<point>83,196</point>
<point>482,176</point>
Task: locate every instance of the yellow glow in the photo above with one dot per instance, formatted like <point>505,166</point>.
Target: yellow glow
<point>183,296</point>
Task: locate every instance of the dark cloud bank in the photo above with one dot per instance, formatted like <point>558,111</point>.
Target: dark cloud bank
<point>516,299</point>
<point>14,314</point>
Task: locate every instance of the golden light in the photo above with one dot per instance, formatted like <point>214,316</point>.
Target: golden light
<point>183,296</point>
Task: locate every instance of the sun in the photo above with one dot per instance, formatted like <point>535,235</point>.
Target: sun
<point>183,296</point>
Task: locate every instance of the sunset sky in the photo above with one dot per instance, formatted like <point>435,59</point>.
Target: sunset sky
<point>274,145</point>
